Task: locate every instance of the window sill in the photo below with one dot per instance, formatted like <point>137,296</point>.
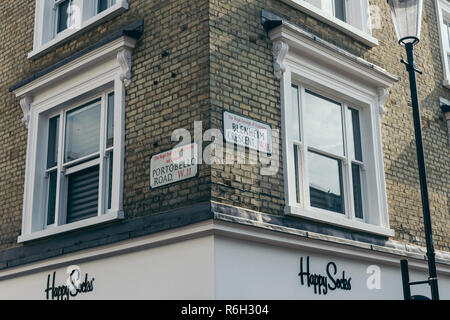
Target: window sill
<point>446,84</point>
<point>336,220</point>
<point>342,26</point>
<point>68,34</point>
<point>108,217</point>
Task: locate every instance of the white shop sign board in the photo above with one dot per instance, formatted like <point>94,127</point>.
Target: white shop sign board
<point>216,267</point>
<point>247,132</point>
<point>174,165</point>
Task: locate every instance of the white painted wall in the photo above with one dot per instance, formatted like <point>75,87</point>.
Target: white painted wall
<point>247,270</point>
<point>214,267</point>
<point>183,270</point>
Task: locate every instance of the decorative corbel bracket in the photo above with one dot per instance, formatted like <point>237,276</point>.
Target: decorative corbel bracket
<point>25,104</point>
<point>383,95</point>
<point>124,59</point>
<point>280,50</point>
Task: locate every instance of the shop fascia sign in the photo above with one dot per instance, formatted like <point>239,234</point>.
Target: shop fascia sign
<point>329,279</point>
<point>74,285</point>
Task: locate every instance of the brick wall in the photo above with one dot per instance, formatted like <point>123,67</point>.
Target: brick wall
<point>243,82</point>
<point>196,59</point>
<point>168,91</point>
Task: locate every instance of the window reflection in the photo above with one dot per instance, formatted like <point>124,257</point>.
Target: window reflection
<point>323,124</point>
<point>325,182</point>
<point>82,132</point>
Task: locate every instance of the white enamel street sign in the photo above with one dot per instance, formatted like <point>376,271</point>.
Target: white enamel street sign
<point>173,165</point>
<point>247,132</point>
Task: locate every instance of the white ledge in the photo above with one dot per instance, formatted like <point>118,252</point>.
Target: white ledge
<point>340,221</point>
<point>305,42</point>
<point>283,238</point>
<point>73,67</point>
<point>446,83</point>
<point>68,34</point>
<point>107,217</point>
<point>340,25</point>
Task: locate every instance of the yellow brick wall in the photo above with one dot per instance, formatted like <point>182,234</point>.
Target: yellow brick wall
<point>241,65</point>
<point>219,58</point>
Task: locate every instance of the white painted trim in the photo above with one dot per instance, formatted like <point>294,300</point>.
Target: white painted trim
<point>337,219</point>
<point>312,63</point>
<point>39,48</point>
<point>305,241</point>
<point>93,57</point>
<point>362,32</point>
<point>305,43</point>
<point>89,76</point>
<point>443,8</point>
<point>107,217</point>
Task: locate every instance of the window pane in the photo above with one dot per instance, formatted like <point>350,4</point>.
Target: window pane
<point>323,124</point>
<point>295,120</point>
<point>354,135</point>
<point>82,132</point>
<point>102,5</point>
<point>64,15</point>
<point>53,136</point>
<point>325,182</point>
<point>110,125</point>
<point>105,4</point>
<point>51,206</point>
<point>340,10</point>
<point>357,193</point>
<point>83,192</point>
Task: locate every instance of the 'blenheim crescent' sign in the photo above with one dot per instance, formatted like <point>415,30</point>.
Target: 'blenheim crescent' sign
<point>173,165</point>
<point>247,132</point>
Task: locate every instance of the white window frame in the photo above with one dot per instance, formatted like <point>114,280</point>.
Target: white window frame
<point>443,15</point>
<point>303,147</point>
<point>302,59</point>
<point>105,69</point>
<point>48,14</point>
<point>65,169</point>
<point>358,15</point>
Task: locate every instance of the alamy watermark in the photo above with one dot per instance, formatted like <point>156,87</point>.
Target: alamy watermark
<point>219,151</point>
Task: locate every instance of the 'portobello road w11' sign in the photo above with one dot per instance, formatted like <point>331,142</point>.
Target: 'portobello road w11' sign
<point>173,165</point>
<point>247,132</point>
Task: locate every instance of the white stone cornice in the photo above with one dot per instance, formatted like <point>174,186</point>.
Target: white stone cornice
<point>303,43</point>
<point>383,95</point>
<point>124,60</point>
<point>72,68</point>
<point>25,104</point>
<point>280,50</point>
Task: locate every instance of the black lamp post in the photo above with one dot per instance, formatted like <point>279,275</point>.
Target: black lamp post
<point>407,17</point>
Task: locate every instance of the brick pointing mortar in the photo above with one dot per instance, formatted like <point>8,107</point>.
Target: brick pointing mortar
<point>197,59</point>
